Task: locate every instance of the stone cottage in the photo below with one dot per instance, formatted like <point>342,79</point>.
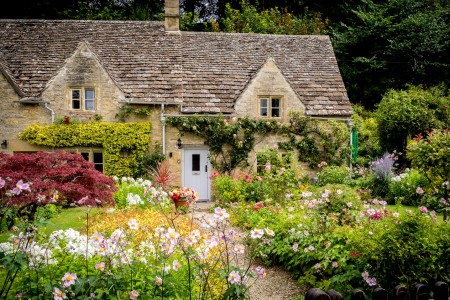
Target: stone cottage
<point>55,68</point>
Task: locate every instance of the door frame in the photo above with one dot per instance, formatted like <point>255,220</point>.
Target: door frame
<point>183,171</point>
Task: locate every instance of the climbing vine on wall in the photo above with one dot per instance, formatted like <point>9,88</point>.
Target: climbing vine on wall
<point>232,139</point>
<point>116,138</point>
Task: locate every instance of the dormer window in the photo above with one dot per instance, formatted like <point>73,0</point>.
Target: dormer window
<point>82,99</point>
<point>270,107</point>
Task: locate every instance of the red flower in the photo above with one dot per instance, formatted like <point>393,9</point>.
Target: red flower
<point>257,206</point>
<point>175,197</point>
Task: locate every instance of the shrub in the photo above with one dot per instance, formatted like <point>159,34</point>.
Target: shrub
<point>403,114</point>
<point>226,189</point>
<point>407,188</point>
<point>59,178</point>
<point>333,175</point>
<point>139,192</point>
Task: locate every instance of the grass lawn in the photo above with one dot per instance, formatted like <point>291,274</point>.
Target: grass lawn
<point>68,218</point>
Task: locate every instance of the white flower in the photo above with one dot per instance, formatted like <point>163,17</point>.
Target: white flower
<point>176,265</point>
<point>133,224</point>
<point>256,233</point>
<point>295,247</point>
<point>269,231</point>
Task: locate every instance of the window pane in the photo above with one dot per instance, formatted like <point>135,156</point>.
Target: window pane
<point>263,112</point>
<point>263,102</point>
<point>89,100</point>
<point>195,162</point>
<point>75,94</point>
<point>98,161</point>
<point>276,107</point>
<point>76,104</point>
<point>85,155</point>
<point>275,112</point>
<point>89,105</point>
<point>275,103</point>
<point>89,94</point>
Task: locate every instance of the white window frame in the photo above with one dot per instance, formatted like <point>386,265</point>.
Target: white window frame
<point>86,103</point>
<point>268,106</point>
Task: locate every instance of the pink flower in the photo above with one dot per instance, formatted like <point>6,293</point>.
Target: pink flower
<point>261,272</point>
<point>239,248</point>
<point>221,213</point>
<point>234,277</point>
<point>2,182</point>
<point>58,294</point>
<point>423,209</point>
<point>158,281</point>
<point>295,247</point>
<point>133,295</point>
<point>335,264</point>
<point>69,279</point>
<point>419,190</point>
<point>267,168</point>
<point>100,266</point>
<point>20,186</point>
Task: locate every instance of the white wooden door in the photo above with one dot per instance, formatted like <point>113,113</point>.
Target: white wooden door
<point>196,169</point>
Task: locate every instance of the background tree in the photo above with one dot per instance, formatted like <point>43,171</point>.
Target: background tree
<point>393,43</point>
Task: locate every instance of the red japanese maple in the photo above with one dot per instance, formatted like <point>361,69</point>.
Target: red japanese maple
<point>53,177</point>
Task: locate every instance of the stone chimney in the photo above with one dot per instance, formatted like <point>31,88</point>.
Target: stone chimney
<point>172,15</point>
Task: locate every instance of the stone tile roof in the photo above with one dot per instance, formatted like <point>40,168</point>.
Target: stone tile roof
<point>205,72</point>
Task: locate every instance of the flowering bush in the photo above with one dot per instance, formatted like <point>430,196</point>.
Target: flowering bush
<point>134,254</point>
<point>407,188</point>
<point>139,192</point>
<point>329,241</point>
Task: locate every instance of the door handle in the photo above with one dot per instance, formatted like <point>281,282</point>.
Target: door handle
<point>206,168</point>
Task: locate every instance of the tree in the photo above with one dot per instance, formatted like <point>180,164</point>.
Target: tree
<point>62,178</point>
<point>430,155</point>
<point>273,21</point>
<point>403,114</point>
<point>393,43</point>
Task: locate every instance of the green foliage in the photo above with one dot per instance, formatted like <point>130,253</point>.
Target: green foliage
<point>134,138</point>
<point>273,20</point>
<point>127,110</point>
<point>430,155</point>
<point>231,141</point>
<point>227,189</point>
<point>403,114</point>
<point>333,175</point>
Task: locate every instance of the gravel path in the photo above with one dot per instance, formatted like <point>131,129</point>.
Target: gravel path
<point>278,285</point>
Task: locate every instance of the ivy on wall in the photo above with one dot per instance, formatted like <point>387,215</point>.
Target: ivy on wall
<point>133,139</point>
<point>231,139</point>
